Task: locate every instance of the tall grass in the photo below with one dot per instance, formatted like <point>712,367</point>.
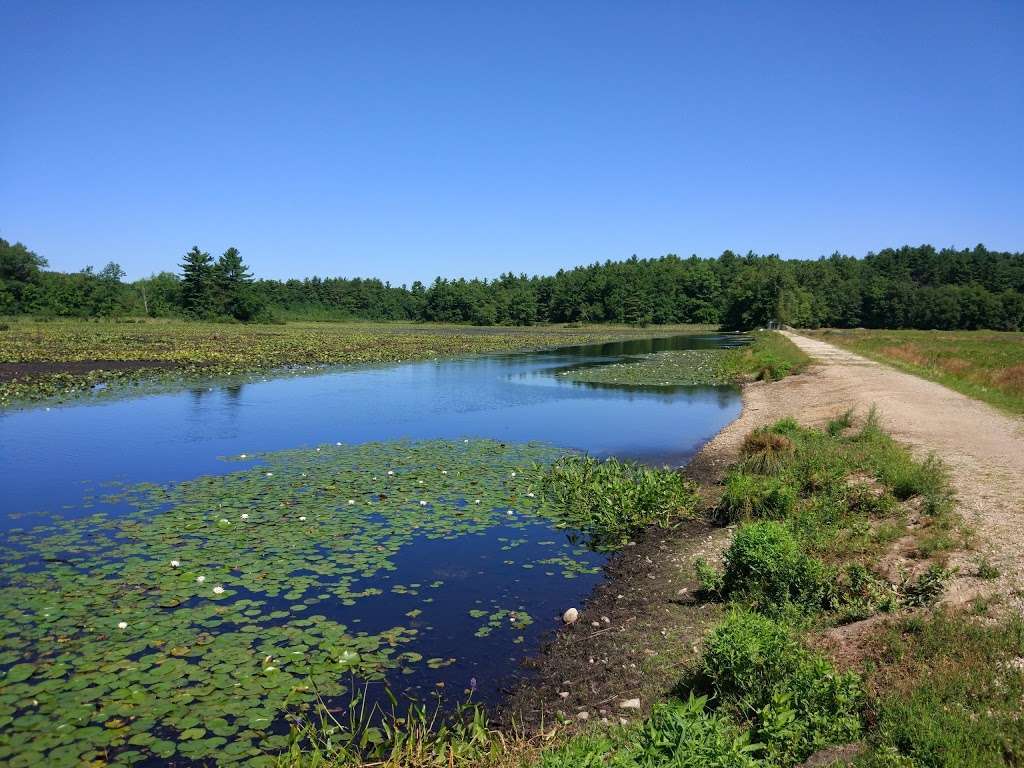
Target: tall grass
<point>769,357</point>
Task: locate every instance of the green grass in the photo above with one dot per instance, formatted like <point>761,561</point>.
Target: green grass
<point>987,365</point>
<point>769,357</point>
<point>201,350</point>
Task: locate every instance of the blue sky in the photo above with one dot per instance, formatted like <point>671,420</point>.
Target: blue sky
<point>413,139</point>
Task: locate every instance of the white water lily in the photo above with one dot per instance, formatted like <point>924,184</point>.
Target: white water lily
<point>244,516</point>
<point>510,512</point>
<point>302,518</point>
<point>270,474</point>
<point>423,503</point>
<point>200,579</point>
<point>391,471</point>
<point>242,456</point>
<point>337,443</point>
<point>444,471</point>
<point>477,501</point>
<point>513,474</point>
<point>351,501</point>
<point>122,625</point>
<point>530,494</point>
<point>218,590</point>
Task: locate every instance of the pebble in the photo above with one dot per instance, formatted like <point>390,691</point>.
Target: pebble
<point>563,694</point>
<point>630,704</point>
<point>582,715</point>
<point>570,616</point>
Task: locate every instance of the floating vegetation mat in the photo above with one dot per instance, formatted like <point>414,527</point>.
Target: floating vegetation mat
<point>676,368</point>
<point>186,621</point>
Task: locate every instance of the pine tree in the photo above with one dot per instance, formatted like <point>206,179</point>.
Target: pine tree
<point>233,281</point>
<point>197,284</point>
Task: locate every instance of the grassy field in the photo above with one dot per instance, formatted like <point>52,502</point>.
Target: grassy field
<point>769,356</point>
<point>987,365</point>
<point>65,358</point>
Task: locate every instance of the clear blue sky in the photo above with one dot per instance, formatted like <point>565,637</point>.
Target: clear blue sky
<point>411,139</point>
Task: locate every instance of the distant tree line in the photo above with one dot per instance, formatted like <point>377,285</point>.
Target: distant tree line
<point>908,287</point>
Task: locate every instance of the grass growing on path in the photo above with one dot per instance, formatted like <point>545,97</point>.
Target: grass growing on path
<point>768,357</point>
<point>987,365</point>
<point>34,356</point>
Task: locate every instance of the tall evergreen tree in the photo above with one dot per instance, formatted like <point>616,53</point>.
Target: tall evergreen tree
<point>197,284</point>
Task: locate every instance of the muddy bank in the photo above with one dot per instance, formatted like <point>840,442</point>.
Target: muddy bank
<point>12,371</point>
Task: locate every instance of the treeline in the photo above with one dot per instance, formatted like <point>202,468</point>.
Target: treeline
<point>908,287</point>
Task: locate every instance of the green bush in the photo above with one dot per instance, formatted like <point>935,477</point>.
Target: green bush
<point>766,568</point>
<point>679,734</point>
<point>752,497</point>
<point>795,699</point>
<point>612,500</point>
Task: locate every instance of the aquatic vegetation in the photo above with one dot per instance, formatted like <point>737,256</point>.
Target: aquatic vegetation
<point>768,356</point>
<point>171,630</point>
<point>110,358</point>
<point>612,500</point>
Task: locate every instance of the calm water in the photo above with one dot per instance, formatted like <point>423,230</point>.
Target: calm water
<point>51,459</point>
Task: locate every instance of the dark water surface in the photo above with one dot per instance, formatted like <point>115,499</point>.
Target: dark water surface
<point>51,460</point>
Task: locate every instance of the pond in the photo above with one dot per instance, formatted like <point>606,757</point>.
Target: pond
<point>179,569</point>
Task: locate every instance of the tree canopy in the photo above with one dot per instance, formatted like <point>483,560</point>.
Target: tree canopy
<point>907,287</point>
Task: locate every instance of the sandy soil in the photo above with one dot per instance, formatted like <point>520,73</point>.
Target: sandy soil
<point>983,448</point>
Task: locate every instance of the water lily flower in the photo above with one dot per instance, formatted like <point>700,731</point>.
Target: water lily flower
<point>477,501</point>
<point>200,579</point>
<point>391,471</point>
<point>244,516</point>
<point>513,474</point>
<point>218,590</point>
<point>337,443</point>
<point>423,503</point>
<point>270,474</point>
<point>242,456</point>
<point>444,471</point>
<point>530,494</point>
<point>351,501</point>
<point>175,563</point>
<point>122,625</point>
<point>302,518</point>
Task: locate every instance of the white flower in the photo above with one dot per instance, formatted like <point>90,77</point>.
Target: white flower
<point>351,501</point>
<point>444,471</point>
<point>510,512</point>
<point>423,503</point>
<point>391,471</point>
<point>513,474</point>
<point>477,501</point>
<point>318,450</point>
<point>337,443</point>
<point>200,579</point>
<point>270,474</point>
<point>122,625</point>
<point>420,482</point>
<point>242,456</point>
<point>465,441</point>
<point>175,563</point>
<point>244,516</point>
<point>530,494</point>
<point>218,590</point>
<point>302,518</point>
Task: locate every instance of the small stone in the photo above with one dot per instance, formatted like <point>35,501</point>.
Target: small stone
<point>595,623</point>
<point>606,620</point>
<point>570,616</point>
<point>630,704</point>
<point>623,721</point>
<point>563,694</point>
<point>582,716</point>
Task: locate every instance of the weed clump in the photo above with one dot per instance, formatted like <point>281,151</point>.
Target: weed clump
<point>766,452</point>
<point>612,500</point>
<point>766,568</point>
<point>796,701</point>
<point>755,497</point>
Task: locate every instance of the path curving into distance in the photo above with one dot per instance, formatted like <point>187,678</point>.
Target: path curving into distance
<point>983,448</point>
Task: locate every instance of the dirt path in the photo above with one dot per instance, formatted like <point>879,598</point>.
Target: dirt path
<point>983,447</point>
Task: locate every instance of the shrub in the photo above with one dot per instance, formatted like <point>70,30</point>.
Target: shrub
<point>612,500</point>
<point>766,568</point>
<point>751,497</point>
<point>795,699</point>
<point>766,452</point>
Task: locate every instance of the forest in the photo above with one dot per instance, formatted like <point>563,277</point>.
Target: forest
<point>908,287</point>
